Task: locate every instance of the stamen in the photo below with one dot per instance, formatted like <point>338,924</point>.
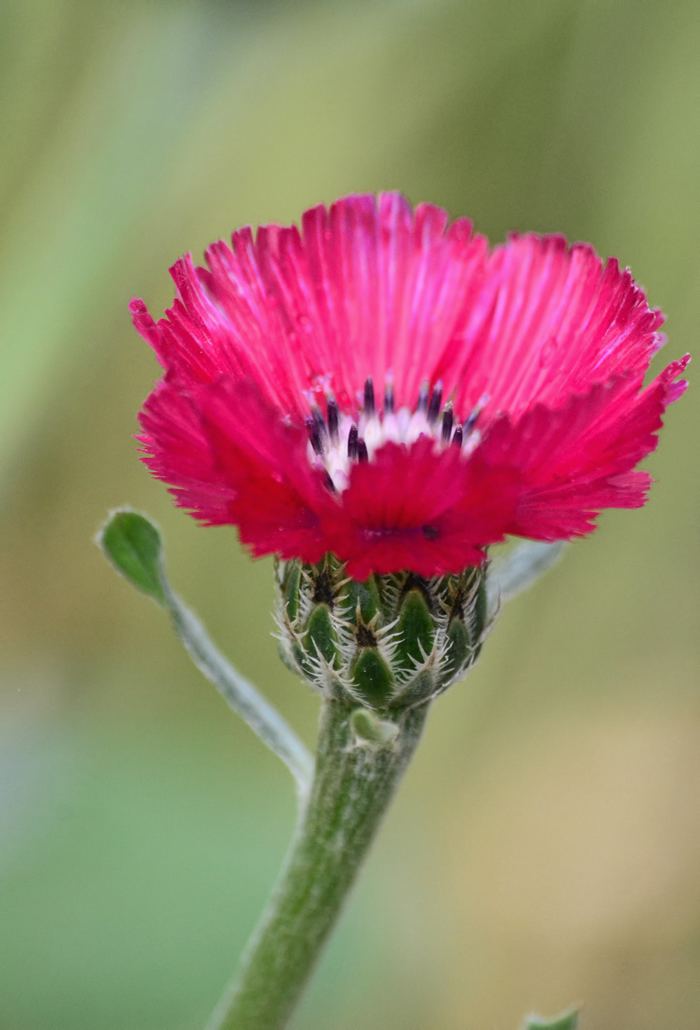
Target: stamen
<point>435,403</point>
<point>314,434</point>
<point>369,397</point>
<point>471,422</point>
<point>476,411</point>
<point>447,422</point>
<point>332,417</point>
<point>338,439</point>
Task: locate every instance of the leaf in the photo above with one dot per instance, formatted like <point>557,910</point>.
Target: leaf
<point>566,1021</point>
<point>132,544</point>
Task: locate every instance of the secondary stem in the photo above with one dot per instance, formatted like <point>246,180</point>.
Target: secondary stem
<point>352,787</point>
<point>262,717</point>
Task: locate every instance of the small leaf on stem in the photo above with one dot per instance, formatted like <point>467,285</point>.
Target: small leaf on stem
<point>132,544</point>
<point>372,731</point>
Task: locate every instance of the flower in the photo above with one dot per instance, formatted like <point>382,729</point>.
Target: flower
<point>380,385</point>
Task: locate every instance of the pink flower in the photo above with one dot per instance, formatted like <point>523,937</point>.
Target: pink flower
<point>379,384</point>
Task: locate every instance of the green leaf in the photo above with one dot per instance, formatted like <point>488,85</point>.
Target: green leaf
<point>566,1021</point>
<point>132,544</point>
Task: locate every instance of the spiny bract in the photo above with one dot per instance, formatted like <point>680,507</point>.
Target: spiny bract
<point>390,642</point>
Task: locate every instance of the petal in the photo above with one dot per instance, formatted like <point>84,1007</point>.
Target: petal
<point>278,498</point>
<point>554,319</point>
<point>573,461</point>
<point>175,449</point>
<point>230,460</point>
<point>420,508</point>
<point>366,288</point>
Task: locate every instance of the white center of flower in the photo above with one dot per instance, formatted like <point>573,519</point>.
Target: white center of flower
<point>337,440</point>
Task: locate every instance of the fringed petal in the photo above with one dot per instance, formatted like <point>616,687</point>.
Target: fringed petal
<point>580,458</point>
<point>419,508</point>
<point>554,320</point>
<point>278,500</point>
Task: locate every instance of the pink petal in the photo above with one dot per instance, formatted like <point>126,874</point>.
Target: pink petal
<point>413,507</point>
<point>573,461</point>
<point>278,499</point>
<point>555,319</point>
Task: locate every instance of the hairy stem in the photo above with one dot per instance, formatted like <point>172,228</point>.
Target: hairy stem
<point>352,787</point>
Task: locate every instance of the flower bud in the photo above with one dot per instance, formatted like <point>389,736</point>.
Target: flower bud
<point>390,642</point>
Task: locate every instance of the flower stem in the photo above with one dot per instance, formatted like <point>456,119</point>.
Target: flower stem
<point>352,787</point>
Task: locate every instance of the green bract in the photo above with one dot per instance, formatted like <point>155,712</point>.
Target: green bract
<point>390,642</point>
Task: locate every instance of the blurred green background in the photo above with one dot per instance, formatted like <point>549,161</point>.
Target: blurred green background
<point>546,842</point>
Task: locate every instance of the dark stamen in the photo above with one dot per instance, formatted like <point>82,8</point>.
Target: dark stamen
<point>352,443</point>
<point>314,434</point>
<point>471,422</point>
<point>423,398</point>
<point>389,398</point>
<point>329,482</point>
<point>435,404</point>
<point>332,418</point>
<point>447,423</point>
<point>458,436</point>
<point>362,454</point>
<point>369,397</point>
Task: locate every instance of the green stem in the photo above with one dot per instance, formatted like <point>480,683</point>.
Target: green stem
<point>262,717</point>
<point>352,787</point>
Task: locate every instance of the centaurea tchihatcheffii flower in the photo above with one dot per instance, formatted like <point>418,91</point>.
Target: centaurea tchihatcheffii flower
<point>379,386</point>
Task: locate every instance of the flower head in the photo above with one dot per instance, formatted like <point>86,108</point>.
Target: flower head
<point>379,385</point>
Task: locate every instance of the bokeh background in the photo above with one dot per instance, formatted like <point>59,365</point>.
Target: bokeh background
<point>546,843</point>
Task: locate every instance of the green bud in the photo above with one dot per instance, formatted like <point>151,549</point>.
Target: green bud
<point>370,730</point>
<point>388,643</point>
